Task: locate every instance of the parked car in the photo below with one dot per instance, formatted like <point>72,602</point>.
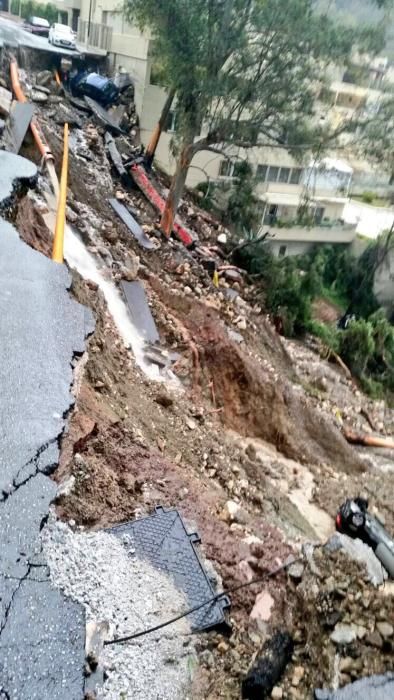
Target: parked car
<point>37,25</point>
<point>62,35</point>
<point>96,86</point>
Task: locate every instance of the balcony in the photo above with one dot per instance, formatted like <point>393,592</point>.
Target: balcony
<point>97,36</point>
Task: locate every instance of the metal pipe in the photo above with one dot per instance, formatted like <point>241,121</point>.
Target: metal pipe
<point>58,240</point>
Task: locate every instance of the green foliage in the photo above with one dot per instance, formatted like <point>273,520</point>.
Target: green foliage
<point>368,197</point>
<point>246,69</point>
<point>327,334</point>
<point>242,210</point>
<point>32,8</point>
<point>357,346</point>
<point>291,285</point>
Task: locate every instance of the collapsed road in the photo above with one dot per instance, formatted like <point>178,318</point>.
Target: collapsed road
<point>250,451</point>
<point>42,332</point>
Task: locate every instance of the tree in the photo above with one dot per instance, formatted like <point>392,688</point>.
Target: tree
<point>243,71</point>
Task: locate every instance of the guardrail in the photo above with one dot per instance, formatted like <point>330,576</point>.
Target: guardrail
<point>96,35</point>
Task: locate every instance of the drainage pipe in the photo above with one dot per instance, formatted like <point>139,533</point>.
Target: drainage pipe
<point>58,240</point>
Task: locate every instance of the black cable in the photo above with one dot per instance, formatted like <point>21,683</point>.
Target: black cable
<point>229,591</point>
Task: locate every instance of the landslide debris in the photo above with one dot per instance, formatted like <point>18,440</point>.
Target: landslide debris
<point>133,443</point>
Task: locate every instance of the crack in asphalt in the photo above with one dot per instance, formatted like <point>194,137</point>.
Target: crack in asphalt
<point>34,462</point>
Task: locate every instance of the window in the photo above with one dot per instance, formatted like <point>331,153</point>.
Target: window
<point>225,169</point>
<point>295,176</point>
<point>237,168</point>
<point>273,173</point>
<point>284,175</point>
<point>282,251</point>
<point>261,172</point>
<point>230,168</point>
<point>171,121</point>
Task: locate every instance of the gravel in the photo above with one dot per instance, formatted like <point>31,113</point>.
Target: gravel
<point>94,569</point>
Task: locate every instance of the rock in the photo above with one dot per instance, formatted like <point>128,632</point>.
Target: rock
<point>130,272</point>
<point>234,513</point>
<point>223,647</point>
<point>360,552</point>
<point>346,664</point>
<point>71,215</point>
<point>127,482</point>
<point>164,399</point>
<point>38,96</point>
<point>110,234</point>
<point>5,101</point>
<point>296,570</point>
<point>222,238</point>
<point>298,674</point>
<point>385,629</point>
<point>251,451</point>
<point>207,658</point>
<point>343,634</point>
<point>191,424</point>
<point>241,324</point>
<point>374,639</point>
<point>262,609</point>
<point>277,693</point>
<point>44,77</point>
<point>120,196</point>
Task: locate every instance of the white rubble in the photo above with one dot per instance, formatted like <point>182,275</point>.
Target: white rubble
<point>94,569</point>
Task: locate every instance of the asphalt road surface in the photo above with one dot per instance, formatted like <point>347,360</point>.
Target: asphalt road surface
<point>12,34</point>
<point>42,634</point>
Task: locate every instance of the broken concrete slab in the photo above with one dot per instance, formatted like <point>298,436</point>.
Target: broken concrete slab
<point>132,225</point>
<point>358,550</point>
<point>141,314</point>
<point>41,329</point>
<point>14,172</point>
<point>104,117</point>
<point>5,102</point>
<point>17,125</point>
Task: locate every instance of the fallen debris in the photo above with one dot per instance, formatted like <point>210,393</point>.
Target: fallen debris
<point>17,125</point>
<point>368,440</point>
<point>5,102</point>
<point>140,312</point>
<point>132,225</point>
<point>269,668</point>
<point>103,116</point>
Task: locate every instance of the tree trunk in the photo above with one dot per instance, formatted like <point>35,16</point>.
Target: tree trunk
<point>176,189</point>
<point>152,145</point>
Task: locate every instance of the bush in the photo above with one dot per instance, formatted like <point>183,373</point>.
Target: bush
<point>368,197</point>
<point>357,345</point>
<point>329,335</point>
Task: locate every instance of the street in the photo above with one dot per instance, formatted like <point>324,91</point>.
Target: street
<point>13,34</point>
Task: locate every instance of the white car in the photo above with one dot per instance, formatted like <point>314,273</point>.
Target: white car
<point>62,35</point>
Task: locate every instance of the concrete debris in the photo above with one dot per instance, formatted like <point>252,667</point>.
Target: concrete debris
<point>373,688</point>
<point>17,125</point>
<point>5,102</point>
<point>362,553</point>
<point>128,595</point>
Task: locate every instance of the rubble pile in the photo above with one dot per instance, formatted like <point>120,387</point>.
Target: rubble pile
<point>248,445</point>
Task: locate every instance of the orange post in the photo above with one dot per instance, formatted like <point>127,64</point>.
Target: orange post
<point>58,241</point>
